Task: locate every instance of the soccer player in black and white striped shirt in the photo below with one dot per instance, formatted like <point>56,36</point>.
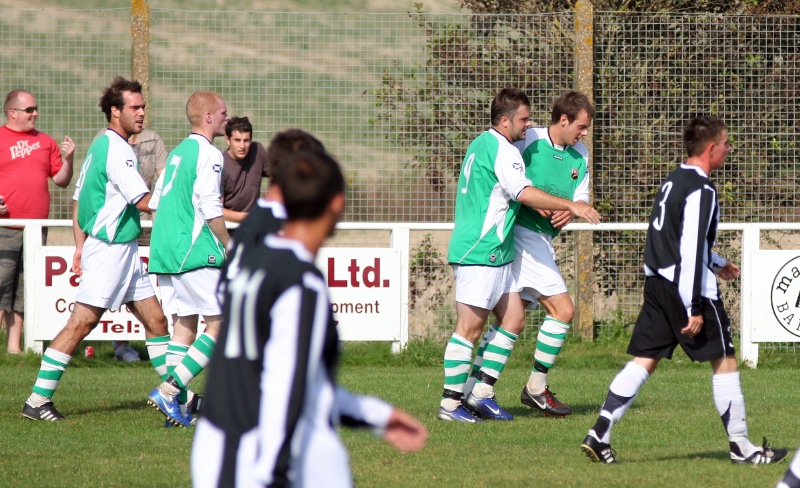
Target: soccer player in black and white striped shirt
<point>681,300</point>
<point>272,405</point>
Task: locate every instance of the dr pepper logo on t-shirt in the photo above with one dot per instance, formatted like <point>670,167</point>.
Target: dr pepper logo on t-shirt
<point>22,149</point>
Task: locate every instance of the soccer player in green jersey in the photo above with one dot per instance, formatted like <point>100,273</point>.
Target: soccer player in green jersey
<point>187,250</point>
<point>491,187</point>
<point>556,162</point>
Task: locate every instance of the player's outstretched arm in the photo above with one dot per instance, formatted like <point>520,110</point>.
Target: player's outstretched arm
<point>587,213</point>
<point>405,432</point>
<point>541,200</point>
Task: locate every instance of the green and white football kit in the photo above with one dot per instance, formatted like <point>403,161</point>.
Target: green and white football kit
<point>560,171</point>
<point>492,178</point>
<point>107,190</point>
<point>183,248</point>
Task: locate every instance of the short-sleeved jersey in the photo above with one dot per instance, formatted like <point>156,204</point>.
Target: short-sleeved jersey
<point>275,362</point>
<point>561,171</point>
<point>150,152</point>
<point>241,180</point>
<point>107,190</point>
<point>491,180</point>
<point>681,234</point>
<point>27,161</point>
<point>187,194</point>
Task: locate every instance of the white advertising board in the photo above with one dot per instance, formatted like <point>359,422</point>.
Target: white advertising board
<point>365,286</point>
<point>775,298</point>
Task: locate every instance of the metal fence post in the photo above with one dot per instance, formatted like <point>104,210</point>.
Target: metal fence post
<point>140,48</point>
<point>584,254</point>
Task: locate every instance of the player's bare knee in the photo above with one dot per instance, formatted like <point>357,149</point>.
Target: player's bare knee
<point>156,326</point>
<point>565,315</point>
<point>80,327</point>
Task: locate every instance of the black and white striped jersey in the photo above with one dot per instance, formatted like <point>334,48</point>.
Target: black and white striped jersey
<point>266,217</point>
<point>681,234</point>
<point>271,380</point>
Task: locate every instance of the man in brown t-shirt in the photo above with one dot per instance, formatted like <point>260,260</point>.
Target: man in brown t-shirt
<point>244,166</point>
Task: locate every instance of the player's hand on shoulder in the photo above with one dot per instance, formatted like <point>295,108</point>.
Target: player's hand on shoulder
<point>405,432</point>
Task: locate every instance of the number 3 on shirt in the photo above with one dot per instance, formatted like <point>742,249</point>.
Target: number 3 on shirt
<point>659,222</point>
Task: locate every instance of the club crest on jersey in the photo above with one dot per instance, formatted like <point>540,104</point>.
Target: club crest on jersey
<point>129,163</point>
<point>492,258</point>
<point>574,173</point>
<point>212,259</point>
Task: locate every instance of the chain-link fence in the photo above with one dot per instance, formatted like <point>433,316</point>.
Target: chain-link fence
<point>398,97</point>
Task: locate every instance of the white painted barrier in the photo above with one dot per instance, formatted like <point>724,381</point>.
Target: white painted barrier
<point>370,286</point>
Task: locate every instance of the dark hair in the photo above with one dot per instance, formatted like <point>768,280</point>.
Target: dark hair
<point>571,104</point>
<point>308,182</point>
<point>506,103</point>
<point>239,124</point>
<point>700,131</point>
<point>112,95</point>
<point>284,144</point>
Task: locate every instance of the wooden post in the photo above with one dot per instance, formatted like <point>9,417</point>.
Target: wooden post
<point>140,49</point>
<point>584,248</point>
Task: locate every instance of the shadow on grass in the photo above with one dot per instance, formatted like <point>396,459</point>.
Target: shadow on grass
<point>133,405</point>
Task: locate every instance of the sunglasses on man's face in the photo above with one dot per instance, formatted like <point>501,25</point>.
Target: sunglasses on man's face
<point>27,110</point>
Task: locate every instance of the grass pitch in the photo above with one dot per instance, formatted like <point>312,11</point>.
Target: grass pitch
<point>672,436</point>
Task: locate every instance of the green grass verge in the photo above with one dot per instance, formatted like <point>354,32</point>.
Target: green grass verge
<point>672,436</point>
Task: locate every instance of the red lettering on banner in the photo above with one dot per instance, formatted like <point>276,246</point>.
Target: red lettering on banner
<point>370,276</point>
<point>333,282</point>
<point>353,269</point>
<point>53,266</point>
<point>130,327</point>
<point>375,271</point>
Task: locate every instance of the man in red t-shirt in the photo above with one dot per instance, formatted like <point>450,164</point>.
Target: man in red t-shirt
<point>28,158</point>
<point>244,166</point>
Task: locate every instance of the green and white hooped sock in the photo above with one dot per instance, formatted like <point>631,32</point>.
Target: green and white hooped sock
<point>52,368</point>
<point>157,350</point>
<point>549,341</point>
<point>196,359</point>
<point>494,361</point>
<point>457,360</point>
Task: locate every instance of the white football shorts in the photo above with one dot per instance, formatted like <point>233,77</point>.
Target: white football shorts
<point>534,272</point>
<point>481,286</point>
<point>191,293</point>
<point>113,274</point>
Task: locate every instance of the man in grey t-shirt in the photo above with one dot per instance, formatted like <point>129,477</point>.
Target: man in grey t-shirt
<point>244,167</point>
